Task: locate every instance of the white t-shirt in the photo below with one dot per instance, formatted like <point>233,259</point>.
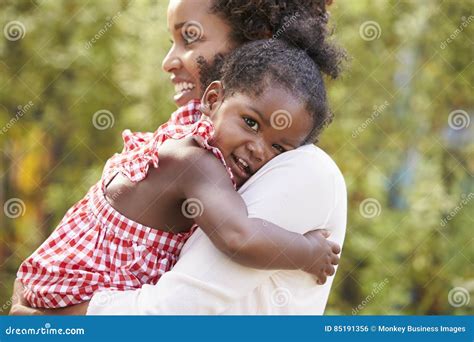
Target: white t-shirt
<point>299,190</point>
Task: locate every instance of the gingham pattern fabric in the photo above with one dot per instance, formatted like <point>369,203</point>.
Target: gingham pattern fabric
<point>141,149</point>
<point>95,247</point>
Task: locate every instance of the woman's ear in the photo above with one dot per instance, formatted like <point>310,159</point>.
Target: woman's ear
<point>212,97</point>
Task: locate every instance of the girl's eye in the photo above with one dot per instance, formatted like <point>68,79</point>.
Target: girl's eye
<point>278,148</point>
<point>251,123</point>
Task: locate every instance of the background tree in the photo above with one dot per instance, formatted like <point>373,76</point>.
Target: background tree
<point>74,75</point>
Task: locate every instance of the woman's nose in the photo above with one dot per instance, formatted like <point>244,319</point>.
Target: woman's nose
<point>171,61</point>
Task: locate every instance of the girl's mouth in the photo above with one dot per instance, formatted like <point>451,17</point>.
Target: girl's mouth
<point>241,167</point>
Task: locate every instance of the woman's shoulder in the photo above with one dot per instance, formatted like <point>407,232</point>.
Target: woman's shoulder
<point>307,160</point>
<point>315,158</point>
<point>309,165</point>
<point>299,190</point>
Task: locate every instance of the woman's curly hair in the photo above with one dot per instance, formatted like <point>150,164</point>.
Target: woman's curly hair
<point>302,23</point>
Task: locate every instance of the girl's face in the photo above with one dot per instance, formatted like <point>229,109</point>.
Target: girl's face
<point>250,131</point>
<point>194,32</point>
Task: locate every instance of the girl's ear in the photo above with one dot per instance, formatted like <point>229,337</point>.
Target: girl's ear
<point>212,97</point>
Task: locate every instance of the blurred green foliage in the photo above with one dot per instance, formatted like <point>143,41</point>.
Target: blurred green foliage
<point>410,67</point>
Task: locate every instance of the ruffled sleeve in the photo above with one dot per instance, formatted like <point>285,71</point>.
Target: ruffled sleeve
<point>141,149</point>
<point>203,133</point>
<point>183,116</point>
<point>133,140</point>
<point>188,114</point>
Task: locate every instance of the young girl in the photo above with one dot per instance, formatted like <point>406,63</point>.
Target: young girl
<point>129,228</point>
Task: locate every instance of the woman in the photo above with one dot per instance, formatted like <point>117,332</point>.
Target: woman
<point>202,32</point>
<point>217,26</point>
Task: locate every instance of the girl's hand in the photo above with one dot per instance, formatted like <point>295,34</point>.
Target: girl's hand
<point>324,255</point>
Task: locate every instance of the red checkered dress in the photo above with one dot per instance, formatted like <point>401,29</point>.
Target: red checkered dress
<point>95,247</point>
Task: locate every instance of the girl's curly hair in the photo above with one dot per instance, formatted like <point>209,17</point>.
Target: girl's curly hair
<point>302,23</point>
<point>262,64</point>
<point>287,43</point>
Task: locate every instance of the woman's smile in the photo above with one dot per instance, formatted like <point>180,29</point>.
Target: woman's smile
<point>181,60</point>
<point>185,90</point>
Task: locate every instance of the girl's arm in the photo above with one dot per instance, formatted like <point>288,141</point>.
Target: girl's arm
<point>222,214</point>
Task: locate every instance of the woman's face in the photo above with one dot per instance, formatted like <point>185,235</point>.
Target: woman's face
<point>195,32</point>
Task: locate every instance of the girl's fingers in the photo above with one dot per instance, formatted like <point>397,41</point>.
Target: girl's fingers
<point>330,270</point>
<point>324,232</point>
<point>336,249</point>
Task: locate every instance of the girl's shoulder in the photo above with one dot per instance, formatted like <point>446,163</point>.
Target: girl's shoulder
<point>193,132</point>
<point>187,158</point>
<point>185,150</point>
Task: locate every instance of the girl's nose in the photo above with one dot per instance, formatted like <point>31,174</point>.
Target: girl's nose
<point>257,151</point>
<point>171,61</point>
